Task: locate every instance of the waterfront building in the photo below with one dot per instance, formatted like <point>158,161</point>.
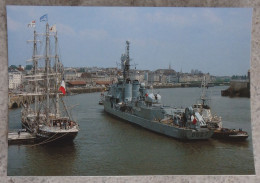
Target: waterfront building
<point>70,74</point>
<point>153,78</point>
<point>15,79</point>
<point>186,77</point>
<point>172,79</point>
<point>75,84</point>
<point>146,76</point>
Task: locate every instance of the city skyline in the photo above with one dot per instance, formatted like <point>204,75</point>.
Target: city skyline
<point>214,40</point>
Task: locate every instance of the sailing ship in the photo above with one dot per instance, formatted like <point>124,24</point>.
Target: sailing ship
<point>128,99</point>
<point>48,118</point>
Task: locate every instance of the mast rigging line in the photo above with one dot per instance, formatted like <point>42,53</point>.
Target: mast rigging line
<point>48,140</point>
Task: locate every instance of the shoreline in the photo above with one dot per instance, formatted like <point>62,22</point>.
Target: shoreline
<point>73,91</point>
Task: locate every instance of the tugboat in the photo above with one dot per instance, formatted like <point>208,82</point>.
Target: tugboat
<point>203,107</point>
<point>131,101</point>
<point>215,122</point>
<point>230,134</point>
<point>47,118</point>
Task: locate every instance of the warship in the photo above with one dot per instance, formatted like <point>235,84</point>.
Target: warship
<point>48,119</point>
<point>130,100</point>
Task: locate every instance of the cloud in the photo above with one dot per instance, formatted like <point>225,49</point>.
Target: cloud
<point>126,15</point>
<point>13,25</point>
<point>211,17</point>
<point>93,34</point>
<point>66,29</point>
<point>179,19</point>
<point>166,18</point>
<point>24,11</point>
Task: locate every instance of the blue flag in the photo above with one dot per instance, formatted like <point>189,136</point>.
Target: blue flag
<point>44,18</point>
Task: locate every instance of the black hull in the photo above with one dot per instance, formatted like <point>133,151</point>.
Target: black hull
<point>232,135</point>
<point>52,137</point>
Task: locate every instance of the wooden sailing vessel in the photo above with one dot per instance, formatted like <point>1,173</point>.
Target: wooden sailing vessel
<point>48,119</point>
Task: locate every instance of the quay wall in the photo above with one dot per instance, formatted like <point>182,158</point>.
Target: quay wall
<point>238,85</point>
<point>183,85</point>
<point>85,90</point>
<point>16,101</point>
<point>237,89</point>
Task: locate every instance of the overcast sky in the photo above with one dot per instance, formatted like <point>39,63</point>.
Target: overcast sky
<point>214,40</point>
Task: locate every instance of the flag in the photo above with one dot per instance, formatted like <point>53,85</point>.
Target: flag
<point>44,18</point>
<point>194,121</point>
<point>62,87</point>
<point>31,24</point>
<point>53,28</point>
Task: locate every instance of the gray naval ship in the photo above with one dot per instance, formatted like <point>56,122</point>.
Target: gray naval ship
<point>131,101</point>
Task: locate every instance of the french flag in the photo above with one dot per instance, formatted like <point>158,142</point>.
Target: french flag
<point>62,87</point>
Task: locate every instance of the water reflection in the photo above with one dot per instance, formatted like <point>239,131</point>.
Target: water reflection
<point>51,159</point>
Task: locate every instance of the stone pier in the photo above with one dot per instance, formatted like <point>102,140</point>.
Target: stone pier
<point>238,88</point>
<point>16,101</point>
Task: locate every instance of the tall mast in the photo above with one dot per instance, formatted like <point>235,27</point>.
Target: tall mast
<point>47,67</point>
<point>57,111</point>
<point>35,66</point>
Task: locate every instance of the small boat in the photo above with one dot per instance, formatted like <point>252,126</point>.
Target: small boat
<point>101,101</point>
<point>203,108</point>
<point>230,134</point>
<point>215,121</point>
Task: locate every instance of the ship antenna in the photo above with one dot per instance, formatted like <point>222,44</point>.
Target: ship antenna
<point>203,93</point>
<point>127,62</point>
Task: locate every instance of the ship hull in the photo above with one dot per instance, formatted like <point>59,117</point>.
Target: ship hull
<point>227,134</point>
<point>171,131</point>
<point>54,137</point>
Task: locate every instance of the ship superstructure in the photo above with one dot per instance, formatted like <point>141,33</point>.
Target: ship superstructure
<point>203,107</point>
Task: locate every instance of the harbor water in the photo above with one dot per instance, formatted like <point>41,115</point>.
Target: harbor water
<point>108,146</point>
